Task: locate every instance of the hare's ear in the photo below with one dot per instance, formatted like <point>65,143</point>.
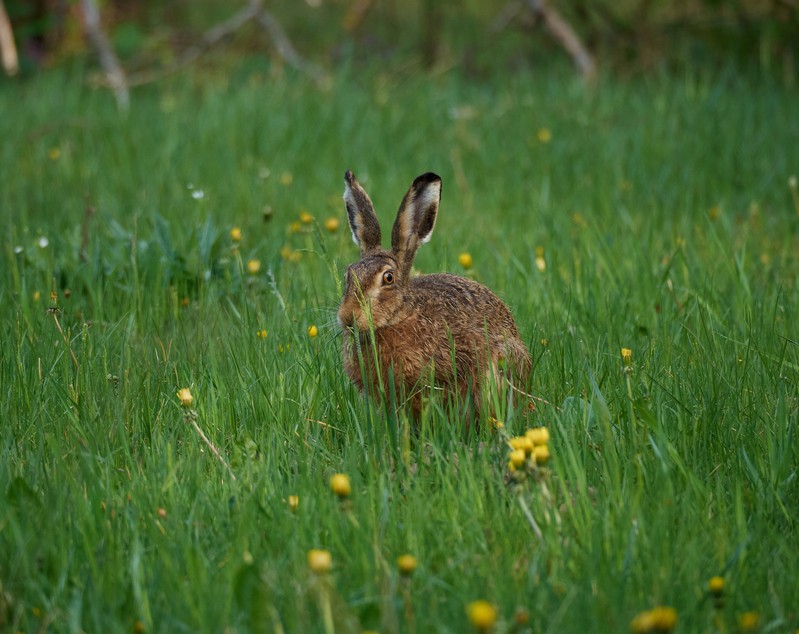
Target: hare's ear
<point>361,215</point>
<point>416,219</point>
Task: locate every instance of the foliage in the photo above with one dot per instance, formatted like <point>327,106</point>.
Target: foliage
<point>652,216</point>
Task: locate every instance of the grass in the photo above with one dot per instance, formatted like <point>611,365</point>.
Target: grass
<point>662,212</point>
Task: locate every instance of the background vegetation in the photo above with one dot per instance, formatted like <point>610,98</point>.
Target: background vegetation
<point>657,214</point>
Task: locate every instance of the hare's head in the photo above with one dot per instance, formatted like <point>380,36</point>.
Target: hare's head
<point>376,284</point>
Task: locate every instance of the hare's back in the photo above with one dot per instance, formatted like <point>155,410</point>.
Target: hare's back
<point>462,303</point>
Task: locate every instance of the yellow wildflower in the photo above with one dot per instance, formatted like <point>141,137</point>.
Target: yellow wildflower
<point>235,234</point>
<point>465,260</point>
<point>253,266</point>
<point>185,397</point>
<point>749,621</point>
<point>521,442</point>
<point>627,356</point>
<point>313,331</point>
<point>538,435</point>
<point>544,135</point>
<point>320,561</point>
<point>332,224</point>
<point>716,585</point>
<point>406,565</point>
<point>482,615</point>
<point>541,454</point>
<point>340,485</point>
<point>517,458</point>
<point>286,178</point>
<point>261,334</point>
<point>294,503</point>
<point>54,153</point>
<point>305,217</point>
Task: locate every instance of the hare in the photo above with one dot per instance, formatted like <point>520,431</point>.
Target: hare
<point>436,331</point>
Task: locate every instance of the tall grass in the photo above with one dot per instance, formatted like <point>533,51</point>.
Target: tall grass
<point>654,215</point>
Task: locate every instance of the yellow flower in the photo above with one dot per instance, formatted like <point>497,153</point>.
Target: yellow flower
<point>36,296</point>
<point>627,356</point>
<point>54,153</point>
<point>305,217</point>
<point>235,234</point>
<point>544,135</point>
<point>294,503</point>
<point>253,266</point>
<point>332,224</point>
<point>481,614</point>
<point>538,435</point>
<point>185,397</point>
<point>295,227</point>
<point>465,260</point>
<point>517,458</point>
<point>406,565</point>
<point>496,424</point>
<point>541,454</point>
<point>716,585</point>
<point>320,561</point>
<point>261,334</point>
<point>540,263</point>
<point>749,621</point>
<point>340,485</point>
<point>522,443</point>
<point>286,178</point>
<point>313,331</point>
<point>659,619</point>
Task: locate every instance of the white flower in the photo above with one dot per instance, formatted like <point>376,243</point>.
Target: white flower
<point>197,194</point>
<point>43,242</point>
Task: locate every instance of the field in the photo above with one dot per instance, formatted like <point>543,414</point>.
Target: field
<point>655,215</point>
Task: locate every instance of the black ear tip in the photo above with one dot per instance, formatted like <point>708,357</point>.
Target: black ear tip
<point>349,177</point>
<point>427,179</point>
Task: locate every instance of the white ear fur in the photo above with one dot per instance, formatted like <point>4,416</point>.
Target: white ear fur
<point>430,196</point>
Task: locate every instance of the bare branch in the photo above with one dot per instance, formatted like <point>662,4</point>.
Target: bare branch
<point>108,59</point>
<point>8,50</point>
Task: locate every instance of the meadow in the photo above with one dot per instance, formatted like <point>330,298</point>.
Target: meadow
<point>200,242</point>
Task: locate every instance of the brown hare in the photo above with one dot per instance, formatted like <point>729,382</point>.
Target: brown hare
<point>441,331</point>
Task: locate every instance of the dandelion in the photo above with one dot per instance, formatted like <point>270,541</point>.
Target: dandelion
<point>541,455</point>
<point>294,503</point>
<point>261,334</point>
<point>716,586</point>
<point>313,331</point>
<point>496,424</point>
<point>43,242</point>
<point>36,296</point>
<point>253,266</point>
<point>286,178</point>
<point>332,224</point>
<point>54,153</point>
<point>320,561</point>
<point>659,619</point>
<point>749,621</point>
<point>540,262</point>
<point>544,135</point>
<point>406,564</point>
<point>465,260</point>
<point>538,435</point>
<point>340,485</point>
<point>517,458</point>
<point>198,194</point>
<point>521,443</point>
<point>235,234</point>
<point>482,615</point>
<point>295,227</point>
<point>627,356</point>
<point>305,217</point>
<point>185,397</point>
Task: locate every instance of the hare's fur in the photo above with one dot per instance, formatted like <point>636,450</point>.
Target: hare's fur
<point>440,327</point>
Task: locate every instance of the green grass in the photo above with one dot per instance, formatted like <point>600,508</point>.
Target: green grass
<point>649,496</point>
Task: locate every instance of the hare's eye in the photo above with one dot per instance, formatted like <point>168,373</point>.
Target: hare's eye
<point>388,278</point>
